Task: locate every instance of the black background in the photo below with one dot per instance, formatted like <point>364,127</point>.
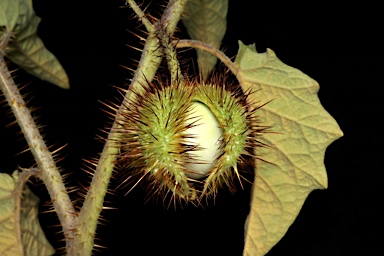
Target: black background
<point>337,46</point>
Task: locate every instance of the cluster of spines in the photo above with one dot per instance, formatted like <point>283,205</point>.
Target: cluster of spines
<point>230,106</point>
<point>155,143</point>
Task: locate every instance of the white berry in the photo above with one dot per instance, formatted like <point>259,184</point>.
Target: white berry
<point>206,134</point>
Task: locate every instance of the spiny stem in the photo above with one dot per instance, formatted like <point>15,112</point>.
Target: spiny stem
<point>165,28</point>
<point>93,203</point>
<point>170,54</point>
<point>206,47</point>
<point>171,15</point>
<point>49,172</point>
<point>140,14</point>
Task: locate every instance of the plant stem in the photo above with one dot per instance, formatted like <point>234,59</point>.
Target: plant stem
<point>49,172</point>
<point>170,54</point>
<point>165,28</point>
<point>206,47</point>
<point>171,15</point>
<point>140,14</point>
<point>93,204</point>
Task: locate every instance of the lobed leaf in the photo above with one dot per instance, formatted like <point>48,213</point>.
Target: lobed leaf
<point>206,21</point>
<point>20,231</point>
<point>26,49</point>
<point>303,129</point>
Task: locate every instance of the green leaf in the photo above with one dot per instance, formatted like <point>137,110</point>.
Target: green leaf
<point>8,13</point>
<point>26,49</point>
<point>206,21</point>
<point>20,231</point>
<point>303,129</point>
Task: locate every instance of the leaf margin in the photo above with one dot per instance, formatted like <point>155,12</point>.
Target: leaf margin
<point>28,51</point>
<point>258,239</point>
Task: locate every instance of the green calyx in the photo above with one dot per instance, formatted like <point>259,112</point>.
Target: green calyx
<point>153,145</point>
<point>229,108</point>
<point>187,138</point>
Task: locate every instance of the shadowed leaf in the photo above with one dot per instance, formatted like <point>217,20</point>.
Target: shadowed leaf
<point>26,49</point>
<point>206,21</point>
<point>9,11</point>
<point>20,231</point>
<point>303,129</point>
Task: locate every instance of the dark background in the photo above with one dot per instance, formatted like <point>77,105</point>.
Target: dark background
<point>337,46</point>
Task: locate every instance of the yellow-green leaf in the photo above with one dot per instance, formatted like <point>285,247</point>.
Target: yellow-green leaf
<point>206,21</point>
<point>8,14</point>
<point>20,231</point>
<point>26,49</point>
<point>303,129</point>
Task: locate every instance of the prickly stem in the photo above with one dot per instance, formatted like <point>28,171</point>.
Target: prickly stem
<point>170,54</point>
<point>45,162</point>
<point>93,204</point>
<point>172,14</point>
<point>164,30</point>
<point>140,14</point>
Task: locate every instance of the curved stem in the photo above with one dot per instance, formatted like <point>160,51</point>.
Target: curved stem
<point>206,47</point>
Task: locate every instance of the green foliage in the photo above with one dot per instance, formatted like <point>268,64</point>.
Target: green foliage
<point>304,131</point>
<point>26,49</point>
<point>10,13</point>
<point>206,21</point>
<point>20,231</point>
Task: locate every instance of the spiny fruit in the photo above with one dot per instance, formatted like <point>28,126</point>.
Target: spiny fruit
<point>190,138</point>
